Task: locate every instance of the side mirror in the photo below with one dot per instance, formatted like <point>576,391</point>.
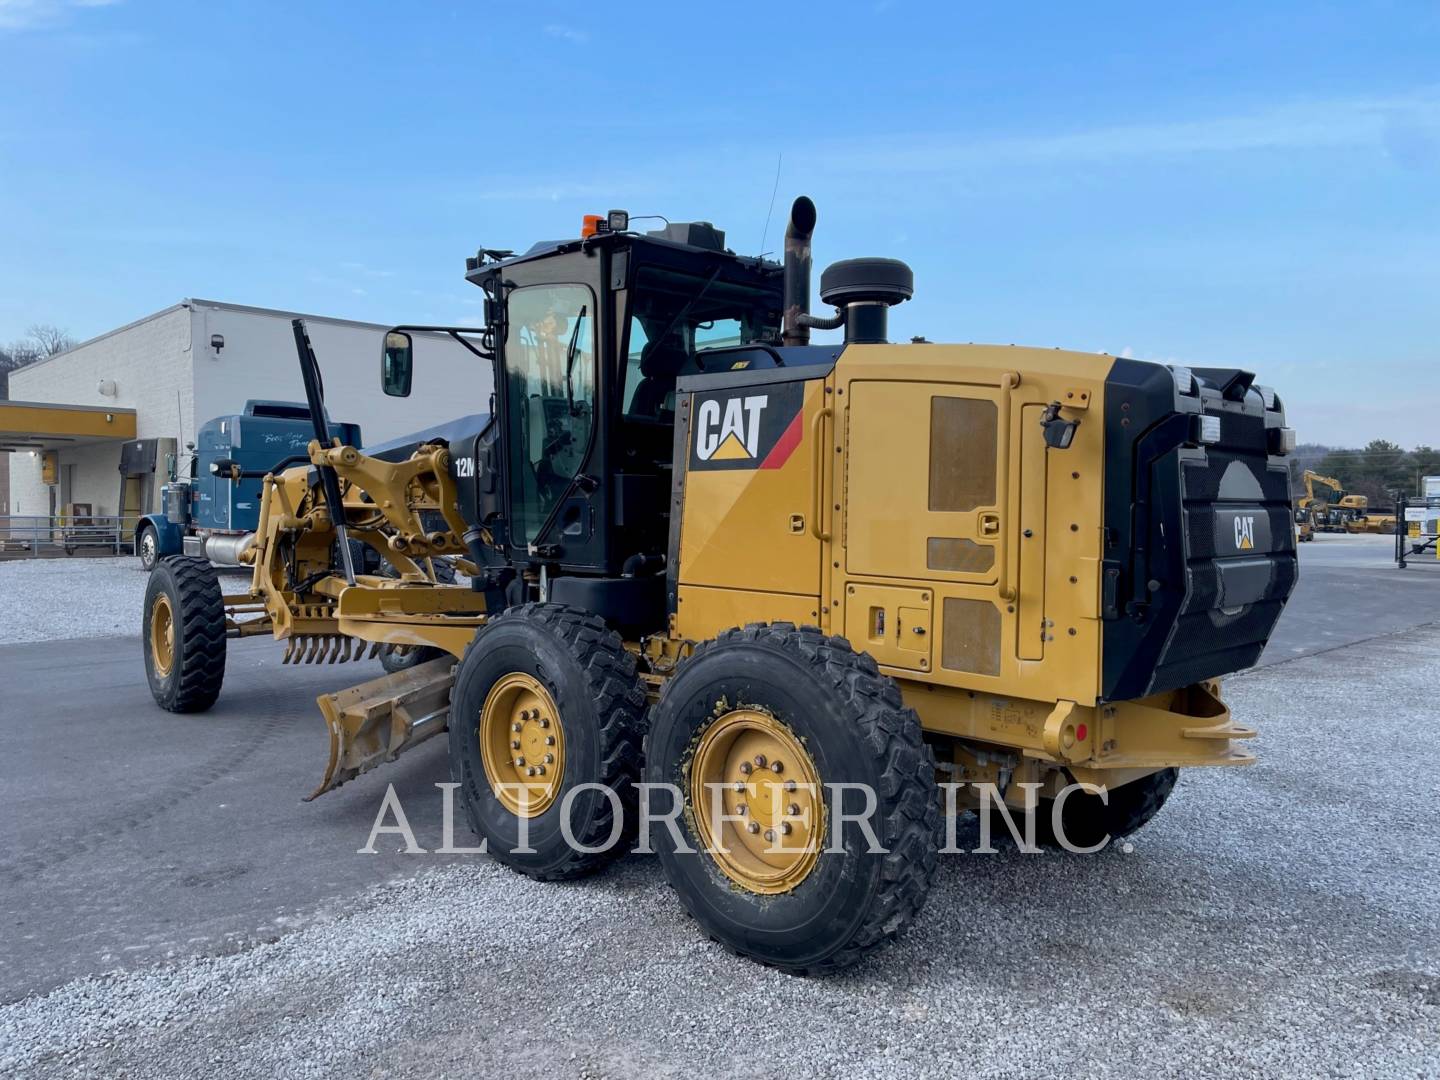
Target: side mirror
<point>397,364</point>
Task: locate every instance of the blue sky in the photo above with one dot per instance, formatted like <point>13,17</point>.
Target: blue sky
<point>1247,184</point>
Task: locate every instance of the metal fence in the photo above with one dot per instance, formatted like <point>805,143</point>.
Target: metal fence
<point>55,536</point>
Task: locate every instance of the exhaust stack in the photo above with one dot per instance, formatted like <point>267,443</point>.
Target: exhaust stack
<point>796,279</point>
<point>861,290</point>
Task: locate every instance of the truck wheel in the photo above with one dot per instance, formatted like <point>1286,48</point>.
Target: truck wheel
<point>547,710</point>
<point>184,634</point>
<point>1087,821</point>
<point>148,548</point>
<point>754,730</point>
<point>395,658</point>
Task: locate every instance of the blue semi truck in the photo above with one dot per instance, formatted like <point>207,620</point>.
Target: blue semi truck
<point>215,516</point>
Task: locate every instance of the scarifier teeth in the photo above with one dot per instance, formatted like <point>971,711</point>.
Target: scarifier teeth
<point>314,648</point>
<point>289,650</point>
<point>344,650</point>
<point>374,649</point>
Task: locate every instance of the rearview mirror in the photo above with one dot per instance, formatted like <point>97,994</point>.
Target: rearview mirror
<point>397,364</point>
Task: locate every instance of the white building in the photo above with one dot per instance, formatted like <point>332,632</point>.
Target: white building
<point>163,375</point>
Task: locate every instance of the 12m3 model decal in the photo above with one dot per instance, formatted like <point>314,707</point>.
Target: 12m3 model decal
<point>752,427</point>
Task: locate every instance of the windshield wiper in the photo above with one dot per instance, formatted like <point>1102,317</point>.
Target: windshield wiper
<point>699,295</point>
<point>571,352</point>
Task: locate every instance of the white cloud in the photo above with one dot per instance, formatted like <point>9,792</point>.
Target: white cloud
<point>38,14</point>
<point>1405,120</point>
<point>568,33</point>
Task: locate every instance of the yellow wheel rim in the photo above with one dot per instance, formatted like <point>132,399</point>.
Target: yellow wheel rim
<point>522,745</point>
<point>750,767</point>
<point>162,635</point>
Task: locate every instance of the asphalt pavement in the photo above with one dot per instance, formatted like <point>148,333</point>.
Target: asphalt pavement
<point>1276,920</point>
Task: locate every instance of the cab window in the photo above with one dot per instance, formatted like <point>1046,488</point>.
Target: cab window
<point>675,318</point>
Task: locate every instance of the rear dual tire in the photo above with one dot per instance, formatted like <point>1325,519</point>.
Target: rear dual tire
<point>812,693</point>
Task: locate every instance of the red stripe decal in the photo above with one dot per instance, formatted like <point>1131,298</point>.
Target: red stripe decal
<point>785,445</point>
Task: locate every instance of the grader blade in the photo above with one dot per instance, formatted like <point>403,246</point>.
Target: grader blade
<point>379,720</point>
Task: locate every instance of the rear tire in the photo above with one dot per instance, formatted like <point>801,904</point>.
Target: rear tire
<point>183,634</point>
<point>570,662</point>
<point>814,694</point>
<point>1087,821</point>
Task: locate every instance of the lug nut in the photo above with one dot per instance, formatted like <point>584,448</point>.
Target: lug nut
<point>549,759</point>
<point>519,762</point>
<point>544,720</point>
<point>753,827</point>
<point>759,761</point>
<point>530,771</point>
<point>789,785</point>
<point>745,768</point>
<point>524,714</point>
<point>549,740</point>
<point>793,809</point>
<point>742,809</point>
<point>514,744</point>
<point>539,770</point>
<point>769,836</point>
<point>515,726</point>
<point>784,828</point>
<point>739,786</point>
<point>776,767</point>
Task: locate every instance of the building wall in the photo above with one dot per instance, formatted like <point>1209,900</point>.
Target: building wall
<point>149,362</point>
<point>258,361</point>
<point>153,360</point>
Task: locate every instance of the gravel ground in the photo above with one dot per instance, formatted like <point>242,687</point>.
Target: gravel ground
<point>1281,920</point>
<point>56,599</point>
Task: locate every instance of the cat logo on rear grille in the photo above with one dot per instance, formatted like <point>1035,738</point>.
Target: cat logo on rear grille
<point>1244,532</point>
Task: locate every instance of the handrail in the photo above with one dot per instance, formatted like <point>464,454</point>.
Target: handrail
<point>1008,382</point>
<point>817,451</point>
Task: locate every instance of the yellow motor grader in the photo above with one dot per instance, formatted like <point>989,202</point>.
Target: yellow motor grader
<point>775,577</point>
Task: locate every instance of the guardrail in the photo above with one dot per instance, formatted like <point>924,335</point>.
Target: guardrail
<point>54,536</point>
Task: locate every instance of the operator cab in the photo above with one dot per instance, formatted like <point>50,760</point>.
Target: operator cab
<point>588,338</point>
<point>593,335</point>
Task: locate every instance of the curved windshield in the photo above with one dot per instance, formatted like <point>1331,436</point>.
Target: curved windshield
<point>549,365</point>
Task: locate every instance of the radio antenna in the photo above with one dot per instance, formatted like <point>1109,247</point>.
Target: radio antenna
<point>765,235</point>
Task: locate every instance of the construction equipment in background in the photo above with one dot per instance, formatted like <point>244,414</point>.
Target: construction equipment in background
<point>1304,525</point>
<point>705,552</point>
<point>1329,508</point>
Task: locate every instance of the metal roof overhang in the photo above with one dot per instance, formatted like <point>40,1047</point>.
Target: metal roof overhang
<point>39,425</point>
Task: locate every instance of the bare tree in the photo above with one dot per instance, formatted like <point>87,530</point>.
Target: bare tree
<point>50,339</point>
<point>42,340</point>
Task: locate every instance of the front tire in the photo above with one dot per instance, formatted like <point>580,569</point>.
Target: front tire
<point>183,634</point>
<point>779,695</point>
<point>557,681</point>
<point>148,548</point>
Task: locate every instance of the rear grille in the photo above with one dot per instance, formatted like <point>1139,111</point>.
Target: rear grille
<point>1200,540</point>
